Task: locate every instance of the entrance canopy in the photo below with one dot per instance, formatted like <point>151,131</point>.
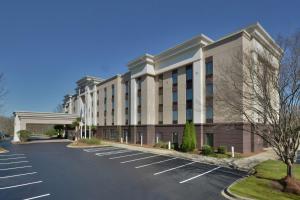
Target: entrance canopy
<point>23,118</point>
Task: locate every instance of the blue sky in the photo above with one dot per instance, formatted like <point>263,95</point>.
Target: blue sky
<point>46,46</point>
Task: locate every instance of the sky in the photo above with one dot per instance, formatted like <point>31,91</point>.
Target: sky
<point>47,45</point>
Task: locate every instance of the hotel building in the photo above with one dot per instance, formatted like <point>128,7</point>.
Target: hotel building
<point>159,93</point>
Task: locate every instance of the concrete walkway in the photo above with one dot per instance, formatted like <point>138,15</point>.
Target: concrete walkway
<point>249,162</point>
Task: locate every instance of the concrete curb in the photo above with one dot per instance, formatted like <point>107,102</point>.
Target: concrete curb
<point>87,146</point>
<point>43,141</point>
<point>231,196</point>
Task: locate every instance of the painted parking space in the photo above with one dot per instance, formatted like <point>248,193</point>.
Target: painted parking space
<point>18,178</point>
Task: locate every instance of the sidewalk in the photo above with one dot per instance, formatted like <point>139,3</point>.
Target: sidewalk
<point>251,161</point>
<point>244,164</point>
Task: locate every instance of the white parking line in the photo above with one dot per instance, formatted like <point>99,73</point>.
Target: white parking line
<point>15,186</point>
<point>12,176</point>
<point>173,168</point>
<point>13,158</point>
<point>155,163</point>
<point>140,159</point>
<point>14,162</point>
<point>199,175</point>
<point>15,168</point>
<point>112,153</point>
<point>135,154</point>
<point>101,149</point>
<point>19,154</point>
<point>36,197</point>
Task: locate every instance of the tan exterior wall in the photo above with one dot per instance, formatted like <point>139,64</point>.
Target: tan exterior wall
<point>222,65</point>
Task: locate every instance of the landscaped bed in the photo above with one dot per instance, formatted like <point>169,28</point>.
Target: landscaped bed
<point>264,184</point>
<point>86,142</point>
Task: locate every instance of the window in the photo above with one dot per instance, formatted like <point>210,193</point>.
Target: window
<point>209,67</point>
<point>174,77</point>
<point>209,114</point>
<point>189,114</point>
<point>160,117</point>
<point>189,94</point>
<point>139,118</point>
<point>112,90</point>
<point>126,87</point>
<point>175,96</point>
<point>160,80</point>
<point>209,89</point>
<point>175,116</point>
<point>189,72</point>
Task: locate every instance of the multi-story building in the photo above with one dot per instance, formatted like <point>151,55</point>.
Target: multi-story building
<point>159,93</point>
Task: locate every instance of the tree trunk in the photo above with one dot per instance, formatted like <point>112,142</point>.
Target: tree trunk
<point>289,169</point>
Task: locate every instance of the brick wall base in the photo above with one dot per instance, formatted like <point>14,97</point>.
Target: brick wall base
<point>238,135</point>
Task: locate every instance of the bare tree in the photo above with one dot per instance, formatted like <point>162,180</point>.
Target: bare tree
<point>59,108</point>
<point>264,89</point>
<point>7,125</point>
<point>3,90</point>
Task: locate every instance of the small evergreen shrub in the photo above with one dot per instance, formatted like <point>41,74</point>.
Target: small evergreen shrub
<point>24,135</point>
<point>186,138</point>
<point>207,150</point>
<point>222,149</point>
<point>189,141</point>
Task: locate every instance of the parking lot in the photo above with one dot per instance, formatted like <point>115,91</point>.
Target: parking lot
<point>53,171</point>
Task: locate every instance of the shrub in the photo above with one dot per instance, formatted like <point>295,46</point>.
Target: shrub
<point>186,138</point>
<point>161,144</point>
<point>189,141</point>
<point>207,150</point>
<point>193,136</point>
<point>222,149</point>
<point>24,135</point>
<point>92,141</point>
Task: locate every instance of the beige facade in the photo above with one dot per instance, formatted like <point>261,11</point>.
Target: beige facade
<point>170,88</point>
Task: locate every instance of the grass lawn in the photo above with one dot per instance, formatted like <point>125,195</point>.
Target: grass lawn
<point>261,186</point>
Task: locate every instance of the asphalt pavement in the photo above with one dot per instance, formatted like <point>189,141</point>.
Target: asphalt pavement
<point>53,171</point>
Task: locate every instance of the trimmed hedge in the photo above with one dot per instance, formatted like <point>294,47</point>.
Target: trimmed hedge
<point>24,135</point>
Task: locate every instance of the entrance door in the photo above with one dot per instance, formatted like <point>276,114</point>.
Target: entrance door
<point>125,135</point>
<point>175,140</point>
